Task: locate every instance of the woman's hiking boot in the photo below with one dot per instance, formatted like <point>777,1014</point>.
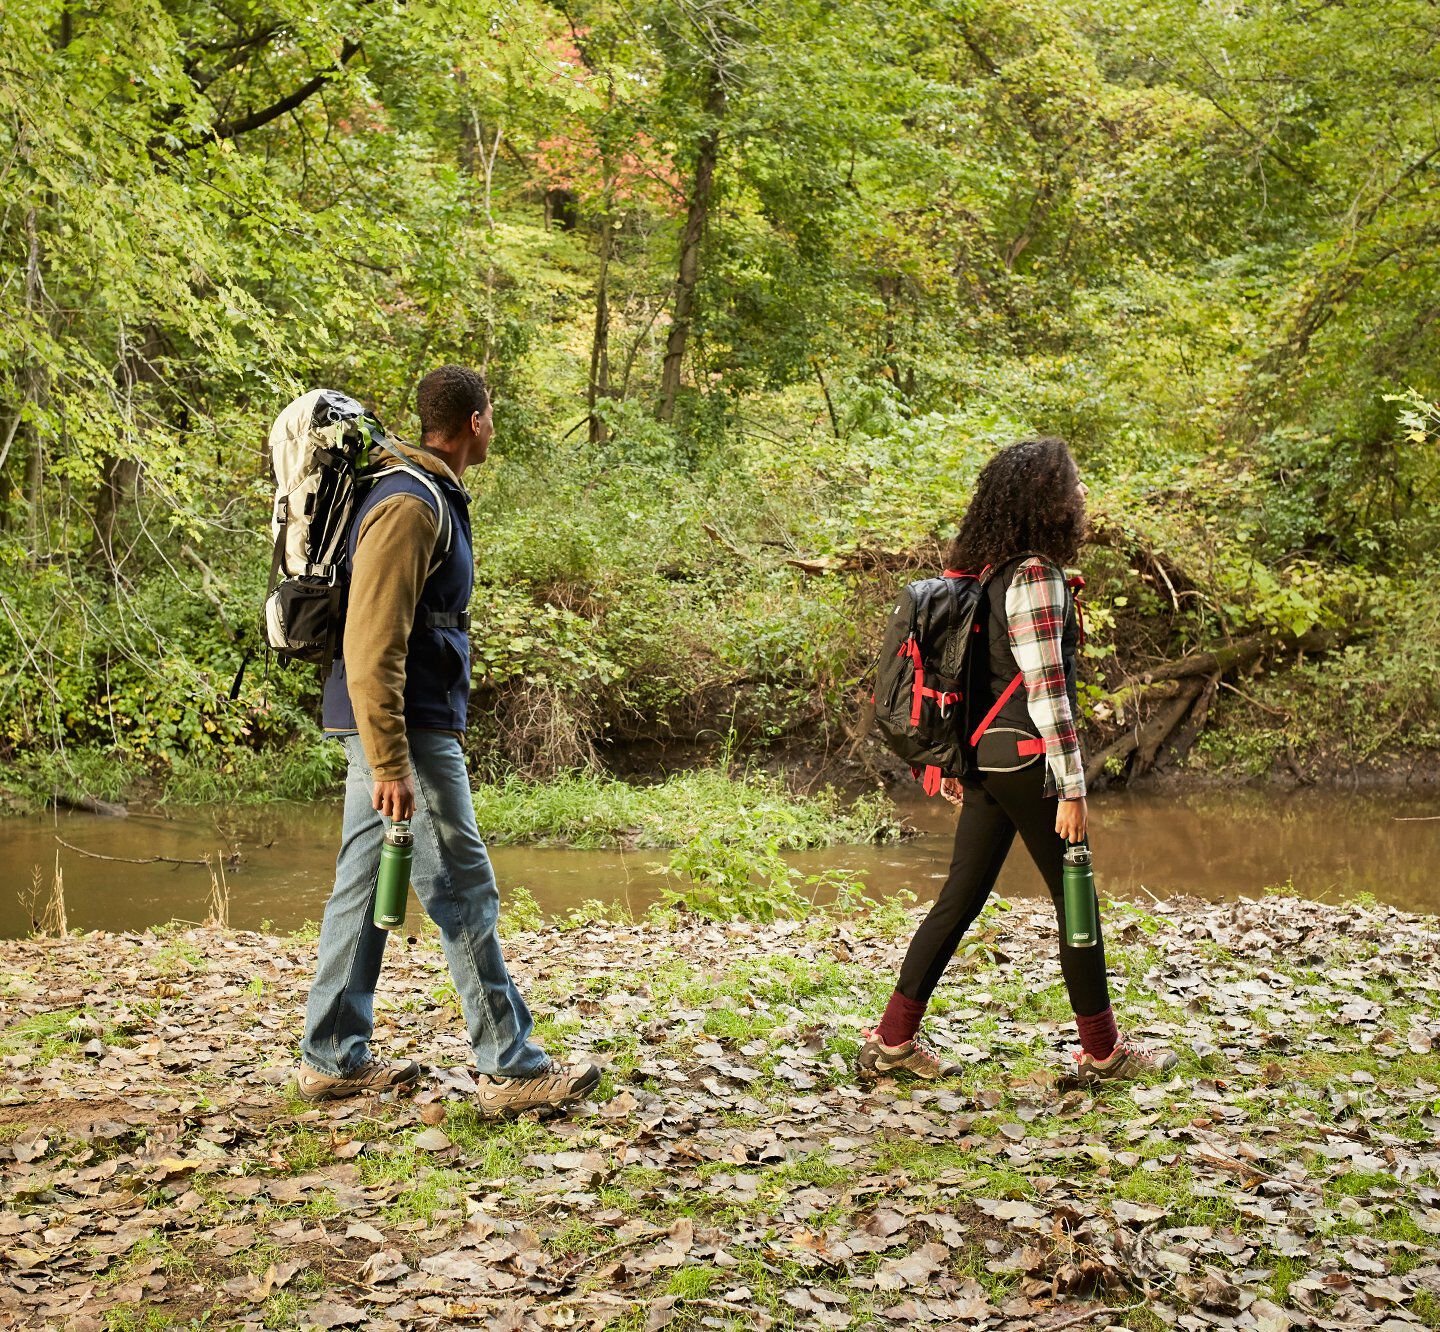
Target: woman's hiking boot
<point>374,1076</point>
<point>552,1089</point>
<point>914,1057</point>
<point>1129,1059</point>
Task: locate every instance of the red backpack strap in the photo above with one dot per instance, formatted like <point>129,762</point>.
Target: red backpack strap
<point>910,648</point>
<point>995,711</point>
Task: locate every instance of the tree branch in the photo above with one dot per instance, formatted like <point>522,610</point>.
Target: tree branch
<point>130,860</point>
<point>230,129</point>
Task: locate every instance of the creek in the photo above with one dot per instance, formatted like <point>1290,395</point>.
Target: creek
<point>1320,844</point>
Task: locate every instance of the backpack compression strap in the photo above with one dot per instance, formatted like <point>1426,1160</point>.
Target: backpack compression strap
<point>920,691</point>
<point>932,776</point>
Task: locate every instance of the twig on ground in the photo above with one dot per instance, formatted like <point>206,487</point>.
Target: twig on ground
<point>724,1306</point>
<point>1249,1168</point>
<point>1250,698</point>
<point>1102,1312</point>
<point>587,1259</point>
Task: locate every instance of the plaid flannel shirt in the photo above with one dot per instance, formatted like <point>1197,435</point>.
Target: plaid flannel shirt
<point>1035,607</point>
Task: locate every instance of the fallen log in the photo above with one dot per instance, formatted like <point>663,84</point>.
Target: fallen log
<point>90,805</point>
<point>1157,729</point>
<point>1144,741</point>
<point>863,559</point>
<point>1130,696</point>
<point>1120,748</point>
<point>1239,656</point>
<point>1168,704</point>
<point>1221,661</point>
<point>1187,734</point>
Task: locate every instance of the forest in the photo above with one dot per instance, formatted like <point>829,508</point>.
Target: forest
<point>758,287</point>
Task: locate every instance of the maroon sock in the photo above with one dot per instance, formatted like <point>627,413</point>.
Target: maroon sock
<point>1098,1034</point>
<point>901,1020</point>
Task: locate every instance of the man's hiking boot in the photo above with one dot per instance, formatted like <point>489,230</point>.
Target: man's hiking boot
<point>1129,1059</point>
<point>914,1057</point>
<point>555,1088</point>
<point>373,1076</point>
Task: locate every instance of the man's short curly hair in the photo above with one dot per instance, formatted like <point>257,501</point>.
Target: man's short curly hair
<point>447,397</point>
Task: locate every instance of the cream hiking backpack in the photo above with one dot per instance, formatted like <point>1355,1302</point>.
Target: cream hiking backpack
<point>321,459</point>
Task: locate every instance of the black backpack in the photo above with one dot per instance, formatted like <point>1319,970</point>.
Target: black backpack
<point>921,672</point>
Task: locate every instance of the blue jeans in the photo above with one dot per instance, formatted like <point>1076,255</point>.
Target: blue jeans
<point>452,878</point>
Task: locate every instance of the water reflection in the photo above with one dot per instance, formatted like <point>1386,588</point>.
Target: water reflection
<point>1325,844</point>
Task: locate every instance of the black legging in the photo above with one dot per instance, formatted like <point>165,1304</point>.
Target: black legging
<point>996,806</point>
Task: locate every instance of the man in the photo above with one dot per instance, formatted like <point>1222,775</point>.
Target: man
<point>397,696</point>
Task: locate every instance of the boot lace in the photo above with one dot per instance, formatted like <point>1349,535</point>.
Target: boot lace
<point>919,1047</point>
<point>1125,1045</point>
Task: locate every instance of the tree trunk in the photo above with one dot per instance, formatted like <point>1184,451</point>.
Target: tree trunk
<point>829,402</point>
<point>119,474</point>
<point>117,483</point>
<point>599,386</point>
<point>34,393</point>
<point>696,216</point>
<point>469,153</point>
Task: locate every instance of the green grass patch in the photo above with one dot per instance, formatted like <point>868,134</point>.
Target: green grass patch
<point>305,770</point>
<point>34,780</point>
<point>590,812</point>
<point>691,1283</point>
<point>434,1190</point>
<point>135,1318</point>
<point>46,1036</point>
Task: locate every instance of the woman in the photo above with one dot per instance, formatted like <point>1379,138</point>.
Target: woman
<point>1026,521</point>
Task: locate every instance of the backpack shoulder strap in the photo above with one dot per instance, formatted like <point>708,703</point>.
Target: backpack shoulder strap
<point>445,535</point>
<point>1072,585</point>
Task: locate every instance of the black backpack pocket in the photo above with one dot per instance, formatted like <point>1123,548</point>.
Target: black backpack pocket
<point>300,615</point>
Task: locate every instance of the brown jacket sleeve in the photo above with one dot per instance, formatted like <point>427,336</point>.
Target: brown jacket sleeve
<point>392,559</point>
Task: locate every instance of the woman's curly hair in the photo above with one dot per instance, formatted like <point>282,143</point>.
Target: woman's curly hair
<point>1027,498</point>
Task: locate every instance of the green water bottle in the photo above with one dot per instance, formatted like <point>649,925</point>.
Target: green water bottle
<point>1082,911</point>
<point>393,885</point>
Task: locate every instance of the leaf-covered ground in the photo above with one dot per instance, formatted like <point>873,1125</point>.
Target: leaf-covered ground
<point>156,1169</point>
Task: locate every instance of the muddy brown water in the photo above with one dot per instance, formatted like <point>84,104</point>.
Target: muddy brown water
<point>1323,844</point>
